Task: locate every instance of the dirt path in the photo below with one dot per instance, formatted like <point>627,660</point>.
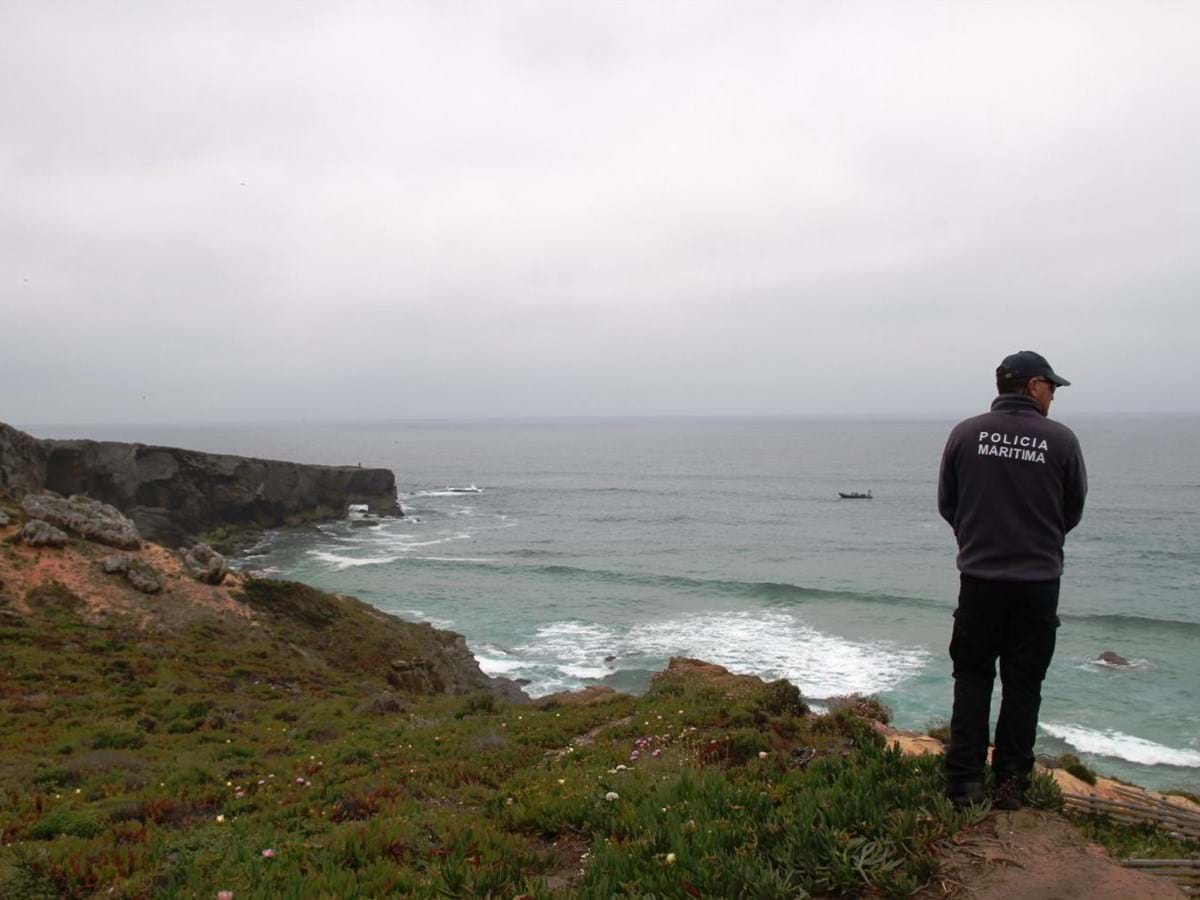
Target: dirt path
<point>1031,855</point>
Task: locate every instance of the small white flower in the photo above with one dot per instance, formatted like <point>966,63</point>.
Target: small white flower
<point>670,859</point>
<point>762,754</point>
<point>611,796</point>
<point>220,818</point>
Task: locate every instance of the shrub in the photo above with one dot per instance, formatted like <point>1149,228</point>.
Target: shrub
<point>782,698</point>
<point>75,823</point>
<point>117,740</point>
<point>476,704</point>
<point>866,706</point>
<point>939,729</point>
<point>1075,766</point>
<point>1043,792</point>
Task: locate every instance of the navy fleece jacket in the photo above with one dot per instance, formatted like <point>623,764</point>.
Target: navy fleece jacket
<point>1012,485</point>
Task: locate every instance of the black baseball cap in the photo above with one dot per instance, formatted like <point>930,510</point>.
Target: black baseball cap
<point>1025,365</point>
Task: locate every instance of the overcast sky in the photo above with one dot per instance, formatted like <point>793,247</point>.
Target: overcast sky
<point>251,211</point>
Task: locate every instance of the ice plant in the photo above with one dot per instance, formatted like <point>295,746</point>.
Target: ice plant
<point>224,895</point>
<point>268,853</point>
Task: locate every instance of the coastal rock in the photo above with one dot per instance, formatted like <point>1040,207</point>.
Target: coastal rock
<point>174,495</point>
<point>1113,659</point>
<point>588,696</point>
<point>22,462</point>
<point>88,518</point>
<point>37,533</point>
<point>117,564</point>
<point>143,578</point>
<point>205,564</point>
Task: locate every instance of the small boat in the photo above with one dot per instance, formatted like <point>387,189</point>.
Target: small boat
<point>855,495</point>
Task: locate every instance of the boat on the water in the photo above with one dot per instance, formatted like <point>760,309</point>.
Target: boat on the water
<point>855,495</point>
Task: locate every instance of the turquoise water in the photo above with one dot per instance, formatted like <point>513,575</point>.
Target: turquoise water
<point>593,551</point>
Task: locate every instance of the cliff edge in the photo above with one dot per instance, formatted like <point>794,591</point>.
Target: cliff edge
<point>173,494</point>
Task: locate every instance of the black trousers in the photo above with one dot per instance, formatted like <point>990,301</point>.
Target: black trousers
<point>1015,622</point>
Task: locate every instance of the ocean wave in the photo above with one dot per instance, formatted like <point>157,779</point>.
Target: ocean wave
<point>772,645</point>
<point>448,492</point>
<point>780,592</point>
<point>348,562</point>
<point>1149,623</point>
<point>1119,745</point>
<point>417,615</point>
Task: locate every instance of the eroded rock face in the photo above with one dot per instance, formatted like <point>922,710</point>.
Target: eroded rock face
<point>37,533</point>
<point>4,520</point>
<point>173,495</point>
<point>22,462</point>
<point>1113,659</point>
<point>88,518</point>
<point>205,564</point>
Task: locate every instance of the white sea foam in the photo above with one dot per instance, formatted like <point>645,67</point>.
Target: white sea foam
<point>773,645</point>
<point>449,492</point>
<point>1121,746</point>
<point>494,661</point>
<point>583,672</point>
<point>348,562</point>
<point>416,615</point>
<point>777,644</point>
<point>1103,664</point>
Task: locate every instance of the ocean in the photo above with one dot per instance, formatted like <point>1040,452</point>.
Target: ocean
<point>589,552</point>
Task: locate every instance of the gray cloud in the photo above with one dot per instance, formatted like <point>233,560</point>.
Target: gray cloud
<point>243,211</point>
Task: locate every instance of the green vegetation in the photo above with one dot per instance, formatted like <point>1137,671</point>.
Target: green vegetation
<point>283,760</point>
<point>866,706</point>
<point>1075,766</point>
<point>1125,841</point>
<point>939,729</point>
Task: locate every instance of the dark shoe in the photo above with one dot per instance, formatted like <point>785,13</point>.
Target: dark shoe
<point>969,793</point>
<point>1009,794</point>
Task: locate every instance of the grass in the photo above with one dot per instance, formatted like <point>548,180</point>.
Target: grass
<point>282,760</point>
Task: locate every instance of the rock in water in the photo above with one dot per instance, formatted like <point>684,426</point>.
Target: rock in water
<point>1113,659</point>
<point>90,519</point>
<point>37,533</point>
<point>205,564</point>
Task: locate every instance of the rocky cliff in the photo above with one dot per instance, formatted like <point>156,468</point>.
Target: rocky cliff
<point>173,494</point>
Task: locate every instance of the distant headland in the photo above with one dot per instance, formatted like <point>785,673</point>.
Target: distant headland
<point>174,496</point>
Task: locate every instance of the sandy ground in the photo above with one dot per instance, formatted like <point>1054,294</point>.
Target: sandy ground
<point>1029,855</point>
<point>1032,855</point>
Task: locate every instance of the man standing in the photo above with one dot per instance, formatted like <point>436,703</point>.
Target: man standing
<point>1012,485</point>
